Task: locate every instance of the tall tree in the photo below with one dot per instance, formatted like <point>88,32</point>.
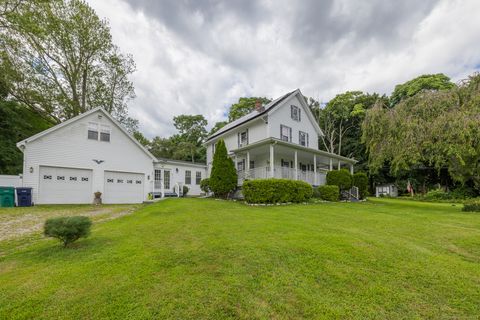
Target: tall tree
<point>62,62</point>
<point>191,128</point>
<point>217,126</point>
<point>244,106</point>
<point>410,88</point>
<point>223,178</point>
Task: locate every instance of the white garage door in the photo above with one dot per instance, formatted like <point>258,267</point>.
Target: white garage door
<point>123,187</point>
<point>64,185</point>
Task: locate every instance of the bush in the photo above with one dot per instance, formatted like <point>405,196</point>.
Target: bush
<point>185,190</point>
<point>204,185</point>
<point>328,193</point>
<point>471,205</point>
<point>463,192</point>
<point>437,194</point>
<point>223,178</point>
<point>67,229</point>
<point>341,178</point>
<point>276,191</point>
<point>360,180</point>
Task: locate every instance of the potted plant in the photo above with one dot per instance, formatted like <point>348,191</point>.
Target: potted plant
<point>98,198</point>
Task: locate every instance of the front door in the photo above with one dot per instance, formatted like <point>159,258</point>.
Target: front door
<point>166,180</point>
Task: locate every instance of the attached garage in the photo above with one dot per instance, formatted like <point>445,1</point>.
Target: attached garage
<point>123,187</point>
<point>59,185</point>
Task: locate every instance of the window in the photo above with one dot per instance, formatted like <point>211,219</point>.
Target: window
<point>138,181</point>
<point>252,164</point>
<point>285,133</point>
<point>198,177</point>
<point>243,138</point>
<point>119,180</point>
<point>73,178</point>
<point>130,181</point>
<point>241,165</point>
<point>47,177</point>
<point>110,180</point>
<point>84,179</point>
<point>93,131</point>
<point>61,178</point>
<point>303,138</point>
<point>105,133</point>
<point>295,113</point>
<point>188,177</point>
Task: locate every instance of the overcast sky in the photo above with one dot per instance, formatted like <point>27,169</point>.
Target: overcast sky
<point>200,56</point>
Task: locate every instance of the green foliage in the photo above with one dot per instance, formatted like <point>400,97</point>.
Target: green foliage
<point>360,180</point>
<point>67,229</point>
<point>327,192</point>
<point>276,191</point>
<point>244,106</point>
<point>437,194</point>
<point>185,190</point>
<point>341,178</point>
<point>218,125</point>
<point>205,185</point>
<point>472,205</point>
<point>142,139</point>
<point>16,123</point>
<point>436,128</point>
<point>59,59</point>
<point>410,88</point>
<point>223,178</point>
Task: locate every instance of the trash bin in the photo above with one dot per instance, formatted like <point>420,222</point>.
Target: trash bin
<point>7,196</point>
<point>24,197</point>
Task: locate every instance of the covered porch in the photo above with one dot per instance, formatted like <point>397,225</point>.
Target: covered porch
<point>273,158</point>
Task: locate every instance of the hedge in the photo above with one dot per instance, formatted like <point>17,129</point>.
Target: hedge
<point>360,180</point>
<point>328,193</point>
<point>276,191</point>
<point>472,205</point>
<point>341,178</point>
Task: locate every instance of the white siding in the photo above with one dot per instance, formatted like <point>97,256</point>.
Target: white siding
<point>10,181</point>
<point>177,175</point>
<point>281,116</point>
<point>69,147</point>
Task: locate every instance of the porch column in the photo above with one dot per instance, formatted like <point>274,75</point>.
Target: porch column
<point>271,161</point>
<point>351,168</point>
<point>331,164</point>
<point>315,169</point>
<point>339,167</point>
<point>235,161</point>
<point>247,165</point>
<point>296,166</point>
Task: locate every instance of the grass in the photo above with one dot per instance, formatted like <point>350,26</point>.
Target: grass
<point>199,258</point>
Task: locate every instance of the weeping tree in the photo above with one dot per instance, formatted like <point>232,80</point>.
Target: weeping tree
<point>433,128</point>
<point>60,60</point>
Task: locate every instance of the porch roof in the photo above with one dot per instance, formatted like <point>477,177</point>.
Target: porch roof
<point>276,141</point>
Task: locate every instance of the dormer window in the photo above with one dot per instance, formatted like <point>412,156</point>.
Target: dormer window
<point>303,138</point>
<point>93,131</point>
<point>243,138</point>
<point>295,113</point>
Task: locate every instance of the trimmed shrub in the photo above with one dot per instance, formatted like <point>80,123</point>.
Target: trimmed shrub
<point>341,178</point>
<point>276,191</point>
<point>185,191</point>
<point>472,205</point>
<point>205,185</point>
<point>328,193</point>
<point>360,180</point>
<point>436,194</point>
<point>223,178</point>
<point>67,229</point>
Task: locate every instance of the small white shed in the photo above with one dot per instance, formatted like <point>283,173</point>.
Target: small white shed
<point>389,189</point>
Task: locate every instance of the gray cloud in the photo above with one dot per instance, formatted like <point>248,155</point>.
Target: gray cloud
<point>198,57</point>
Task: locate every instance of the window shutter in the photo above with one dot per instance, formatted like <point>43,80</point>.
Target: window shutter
<point>247,136</point>
<point>238,138</point>
<point>290,140</point>
<point>299,114</point>
<point>306,135</point>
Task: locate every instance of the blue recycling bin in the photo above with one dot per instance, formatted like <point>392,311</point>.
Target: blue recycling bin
<point>24,197</point>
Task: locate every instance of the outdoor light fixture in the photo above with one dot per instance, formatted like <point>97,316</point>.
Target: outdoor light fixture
<point>176,170</point>
<point>31,169</point>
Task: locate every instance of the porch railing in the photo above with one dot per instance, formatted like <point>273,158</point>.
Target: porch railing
<point>282,173</point>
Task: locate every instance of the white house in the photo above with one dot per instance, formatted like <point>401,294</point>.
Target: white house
<point>278,140</point>
<point>92,152</point>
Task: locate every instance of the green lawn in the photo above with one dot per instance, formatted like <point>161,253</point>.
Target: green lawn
<point>199,259</point>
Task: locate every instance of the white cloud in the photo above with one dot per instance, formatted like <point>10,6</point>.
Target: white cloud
<point>201,59</point>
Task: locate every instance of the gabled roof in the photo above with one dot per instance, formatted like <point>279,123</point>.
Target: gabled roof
<point>266,109</point>
<point>252,115</point>
<point>81,116</point>
<point>181,162</point>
